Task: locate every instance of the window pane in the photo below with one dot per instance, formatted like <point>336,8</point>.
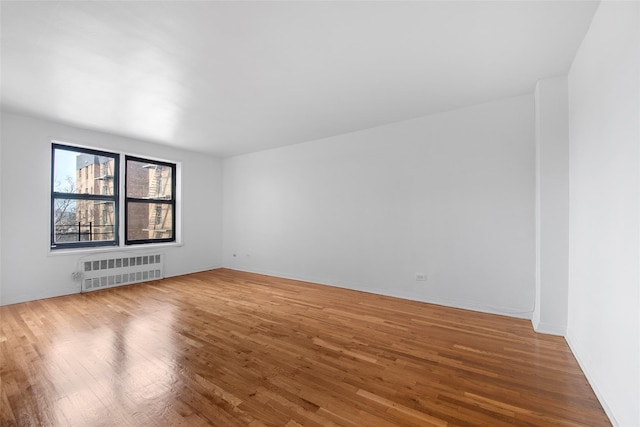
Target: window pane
<point>83,220</point>
<point>149,180</point>
<point>82,173</point>
<point>149,221</point>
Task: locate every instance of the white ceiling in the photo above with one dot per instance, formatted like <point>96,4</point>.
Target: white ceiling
<point>234,77</point>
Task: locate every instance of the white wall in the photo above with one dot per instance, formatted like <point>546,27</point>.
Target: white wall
<point>449,195</point>
<point>29,270</point>
<point>552,206</point>
<point>1,214</point>
<point>603,321</point>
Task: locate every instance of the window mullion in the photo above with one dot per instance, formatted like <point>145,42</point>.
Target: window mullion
<point>83,196</point>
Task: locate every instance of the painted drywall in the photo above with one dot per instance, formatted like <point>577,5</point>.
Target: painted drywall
<point>552,206</point>
<point>604,277</point>
<point>450,196</point>
<point>30,271</point>
<point>0,215</point>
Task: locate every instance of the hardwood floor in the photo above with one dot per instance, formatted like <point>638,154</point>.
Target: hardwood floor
<point>226,348</point>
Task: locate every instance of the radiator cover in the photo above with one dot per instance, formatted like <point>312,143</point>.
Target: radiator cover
<point>108,270</point>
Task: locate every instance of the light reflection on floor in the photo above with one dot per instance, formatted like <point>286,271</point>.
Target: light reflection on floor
<point>96,369</point>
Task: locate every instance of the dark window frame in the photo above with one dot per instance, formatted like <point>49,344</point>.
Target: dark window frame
<point>170,202</point>
<point>115,198</point>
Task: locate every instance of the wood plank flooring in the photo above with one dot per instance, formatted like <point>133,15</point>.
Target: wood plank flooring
<point>226,348</point>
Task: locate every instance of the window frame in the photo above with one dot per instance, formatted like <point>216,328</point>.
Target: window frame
<point>115,198</point>
<point>170,202</point>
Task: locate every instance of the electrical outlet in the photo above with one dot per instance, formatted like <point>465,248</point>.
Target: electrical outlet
<point>421,277</point>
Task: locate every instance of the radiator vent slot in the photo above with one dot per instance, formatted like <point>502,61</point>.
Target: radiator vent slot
<point>108,271</point>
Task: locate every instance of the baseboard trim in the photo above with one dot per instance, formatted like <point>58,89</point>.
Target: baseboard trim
<point>591,380</point>
<point>464,305</point>
<point>549,329</point>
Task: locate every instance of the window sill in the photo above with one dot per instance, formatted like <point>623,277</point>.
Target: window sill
<point>110,249</point>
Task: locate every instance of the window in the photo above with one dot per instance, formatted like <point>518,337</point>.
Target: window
<point>86,195</point>
<point>86,218</point>
<point>150,202</point>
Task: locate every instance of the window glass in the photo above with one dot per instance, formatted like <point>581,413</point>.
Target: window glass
<point>149,221</point>
<point>78,172</point>
<point>84,197</point>
<point>150,201</point>
<point>149,180</point>
<point>83,221</point>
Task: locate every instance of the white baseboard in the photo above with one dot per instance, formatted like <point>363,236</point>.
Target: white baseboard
<point>465,305</point>
<point>549,329</point>
<point>592,382</point>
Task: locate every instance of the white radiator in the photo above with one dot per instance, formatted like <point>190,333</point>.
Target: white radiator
<point>103,271</point>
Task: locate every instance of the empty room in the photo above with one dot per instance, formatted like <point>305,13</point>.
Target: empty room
<point>320,213</point>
